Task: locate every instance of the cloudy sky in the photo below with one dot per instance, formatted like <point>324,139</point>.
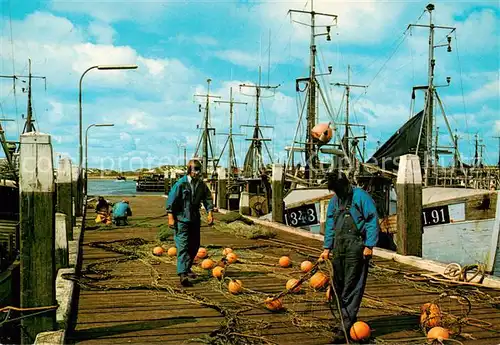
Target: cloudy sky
<point>179,44</point>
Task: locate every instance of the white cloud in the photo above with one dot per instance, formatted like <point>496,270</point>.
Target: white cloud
<point>240,58</point>
<point>484,92</point>
<point>102,32</point>
<point>113,10</point>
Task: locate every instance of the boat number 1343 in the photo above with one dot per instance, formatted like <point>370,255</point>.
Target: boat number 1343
<point>301,216</point>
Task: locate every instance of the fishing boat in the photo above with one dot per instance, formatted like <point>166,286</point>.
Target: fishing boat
<point>459,205</point>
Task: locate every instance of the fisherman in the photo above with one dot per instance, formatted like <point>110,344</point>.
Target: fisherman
<point>102,210</point>
<point>351,232</point>
<point>183,208</point>
<point>121,210</point>
<point>102,205</point>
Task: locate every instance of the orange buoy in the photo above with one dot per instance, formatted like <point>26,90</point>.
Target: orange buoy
<point>285,261</point>
<point>318,280</point>
<point>430,315</point>
<point>207,264</point>
<point>226,251</point>
<point>235,286</point>
<point>158,251</point>
<point>218,272</point>
<point>231,258</point>
<point>292,285</point>
<point>306,266</point>
<point>172,251</point>
<point>360,331</point>
<point>438,333</point>
<point>273,304</point>
<point>322,133</point>
<point>202,253</point>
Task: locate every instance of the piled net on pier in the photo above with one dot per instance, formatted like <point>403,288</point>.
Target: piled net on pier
<point>308,309</point>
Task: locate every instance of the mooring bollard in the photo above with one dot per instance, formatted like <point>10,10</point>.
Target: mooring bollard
<point>64,194</point>
<point>74,192</point>
<point>62,256</point>
<point>277,193</point>
<point>221,188</point>
<point>409,209</point>
<point>37,233</point>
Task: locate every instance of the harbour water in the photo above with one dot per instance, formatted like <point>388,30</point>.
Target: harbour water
<point>114,187</point>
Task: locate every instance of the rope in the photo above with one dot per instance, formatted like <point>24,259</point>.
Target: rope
<point>455,272</point>
<point>28,309</point>
<point>39,311</point>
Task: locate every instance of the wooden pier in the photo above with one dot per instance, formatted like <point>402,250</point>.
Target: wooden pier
<point>127,311</point>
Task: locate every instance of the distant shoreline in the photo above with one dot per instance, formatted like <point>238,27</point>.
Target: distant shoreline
<point>129,178</point>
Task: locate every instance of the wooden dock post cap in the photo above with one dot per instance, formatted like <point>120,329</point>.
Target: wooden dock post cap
<point>64,171</point>
<point>277,173</point>
<point>409,171</point>
<point>221,173</point>
<point>74,172</point>
<point>36,168</point>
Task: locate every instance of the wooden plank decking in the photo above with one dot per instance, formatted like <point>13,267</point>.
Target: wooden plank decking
<point>141,316</point>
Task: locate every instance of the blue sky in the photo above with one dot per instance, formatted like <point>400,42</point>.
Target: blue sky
<point>178,45</point>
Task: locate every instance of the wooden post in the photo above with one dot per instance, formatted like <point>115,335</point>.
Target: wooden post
<point>221,188</point>
<point>78,191</point>
<point>62,258</point>
<point>64,194</point>
<point>245,203</point>
<point>37,232</point>
<point>277,193</point>
<point>166,182</point>
<point>74,191</point>
<point>409,206</point>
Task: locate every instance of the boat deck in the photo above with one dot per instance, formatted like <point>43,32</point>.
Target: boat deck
<point>137,299</point>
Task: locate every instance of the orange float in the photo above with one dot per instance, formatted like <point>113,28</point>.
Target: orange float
<point>207,264</point>
<point>231,258</point>
<point>318,280</point>
<point>360,331</point>
<point>218,272</point>
<point>306,266</point>
<point>273,304</point>
<point>226,251</point>
<point>291,285</point>
<point>430,315</point>
<point>202,253</point>
<point>438,333</point>
<point>158,251</point>
<point>235,286</point>
<point>322,133</point>
<point>285,261</point>
<point>172,251</point>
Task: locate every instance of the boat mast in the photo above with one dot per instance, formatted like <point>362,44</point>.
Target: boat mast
<point>205,136</point>
<point>428,121</point>
<point>28,126</point>
<point>311,157</point>
<point>232,157</point>
<point>348,87</point>
<point>253,159</point>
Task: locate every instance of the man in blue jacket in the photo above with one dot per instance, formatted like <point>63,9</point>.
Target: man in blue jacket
<point>351,232</point>
<point>121,210</point>
<point>183,208</point>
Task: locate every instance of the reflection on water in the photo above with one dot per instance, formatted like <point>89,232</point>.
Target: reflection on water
<point>114,187</point>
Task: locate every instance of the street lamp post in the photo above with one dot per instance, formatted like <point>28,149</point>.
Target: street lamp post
<point>80,157</point>
<point>87,147</point>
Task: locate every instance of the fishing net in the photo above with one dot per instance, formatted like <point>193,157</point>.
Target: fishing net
<point>308,309</point>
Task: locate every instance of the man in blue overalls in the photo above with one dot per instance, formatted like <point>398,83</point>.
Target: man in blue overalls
<point>121,210</point>
<point>351,232</point>
<point>183,208</point>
